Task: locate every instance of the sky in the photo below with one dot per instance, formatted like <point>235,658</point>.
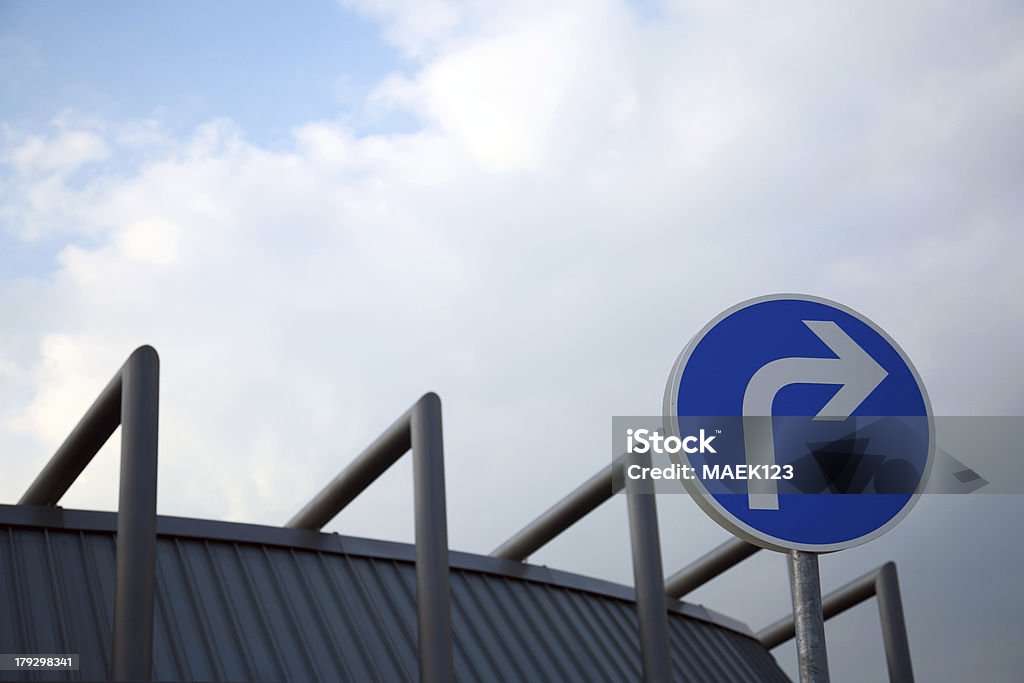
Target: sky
<point>317,213</point>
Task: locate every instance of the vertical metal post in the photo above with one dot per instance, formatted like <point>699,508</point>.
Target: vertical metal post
<point>894,628</point>
<point>650,583</point>
<point>418,429</point>
<point>136,518</point>
<point>433,596</point>
<point>808,619</point>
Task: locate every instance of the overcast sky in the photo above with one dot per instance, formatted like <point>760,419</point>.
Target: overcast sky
<point>316,214</point>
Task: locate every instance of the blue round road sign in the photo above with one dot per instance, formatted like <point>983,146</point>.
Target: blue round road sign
<point>823,431</point>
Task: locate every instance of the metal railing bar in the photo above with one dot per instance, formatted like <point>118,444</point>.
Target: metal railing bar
<point>418,429</point>
<point>562,515</point>
<point>364,469</point>
<point>836,602</point>
<point>136,517</point>
<point>132,400</point>
<point>894,625</point>
<point>881,583</point>
<point>709,566</point>
<point>648,578</point>
<point>646,550</point>
<point>69,461</point>
<point>433,595</point>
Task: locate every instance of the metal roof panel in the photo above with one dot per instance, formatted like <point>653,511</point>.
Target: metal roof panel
<point>240,602</point>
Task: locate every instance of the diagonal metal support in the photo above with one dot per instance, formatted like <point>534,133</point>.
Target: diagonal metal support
<point>562,514</point>
<point>696,574</point>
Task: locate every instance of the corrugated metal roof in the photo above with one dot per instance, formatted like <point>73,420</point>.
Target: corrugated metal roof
<point>242,602</point>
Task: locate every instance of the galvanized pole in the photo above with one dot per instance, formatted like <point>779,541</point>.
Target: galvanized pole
<point>433,595</point>
<point>836,602</point>
<point>132,400</point>
<point>419,428</point>
<point>808,619</point>
<point>884,585</point>
<point>649,580</point>
<point>136,518</point>
<point>894,627</point>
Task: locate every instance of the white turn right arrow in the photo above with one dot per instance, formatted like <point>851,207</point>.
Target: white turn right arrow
<point>854,369</point>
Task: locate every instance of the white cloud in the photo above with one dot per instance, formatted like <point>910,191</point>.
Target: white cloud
<point>416,27</point>
<point>574,163</point>
<point>152,241</point>
<point>65,152</point>
<point>501,96</point>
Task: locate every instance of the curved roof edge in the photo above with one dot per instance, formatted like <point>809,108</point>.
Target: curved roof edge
<point>188,527</point>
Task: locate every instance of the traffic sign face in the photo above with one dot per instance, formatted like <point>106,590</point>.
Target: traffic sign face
<point>801,386</point>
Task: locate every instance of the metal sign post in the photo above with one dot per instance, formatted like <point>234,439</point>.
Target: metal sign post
<point>808,619</point>
<point>836,384</point>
